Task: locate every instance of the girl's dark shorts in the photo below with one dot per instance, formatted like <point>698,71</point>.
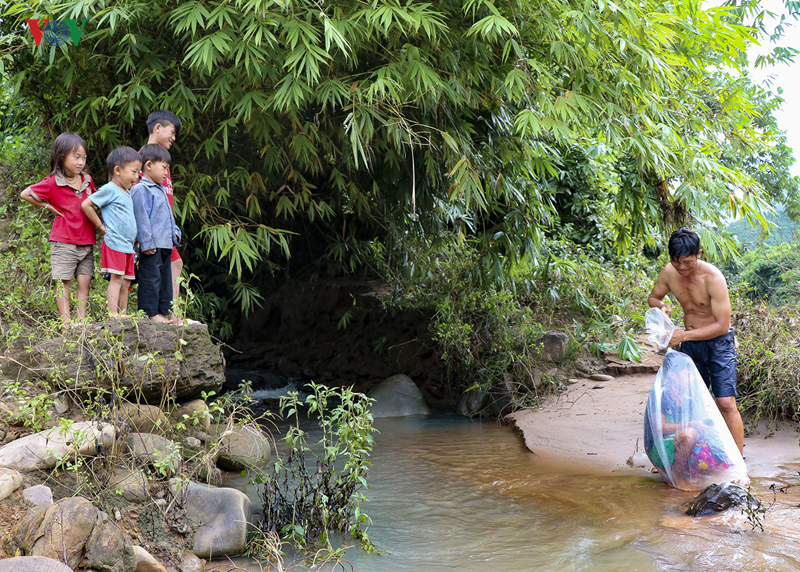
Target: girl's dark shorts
<point>716,361</point>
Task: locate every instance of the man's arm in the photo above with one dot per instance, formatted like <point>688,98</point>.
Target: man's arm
<point>720,309</point>
<point>661,289</point>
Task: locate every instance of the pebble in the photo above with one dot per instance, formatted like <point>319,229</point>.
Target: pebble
<point>573,381</point>
<point>600,377</point>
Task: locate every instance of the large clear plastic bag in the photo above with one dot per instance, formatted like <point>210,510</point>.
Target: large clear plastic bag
<point>685,436</point>
<point>659,326</point>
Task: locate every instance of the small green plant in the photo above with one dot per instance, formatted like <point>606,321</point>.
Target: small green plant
<point>315,490</point>
<point>34,402</point>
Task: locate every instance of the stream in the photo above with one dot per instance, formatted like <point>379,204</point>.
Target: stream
<point>450,493</point>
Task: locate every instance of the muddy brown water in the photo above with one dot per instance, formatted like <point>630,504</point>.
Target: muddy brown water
<point>455,494</point>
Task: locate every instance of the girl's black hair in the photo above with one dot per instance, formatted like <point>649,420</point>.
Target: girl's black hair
<point>63,146</point>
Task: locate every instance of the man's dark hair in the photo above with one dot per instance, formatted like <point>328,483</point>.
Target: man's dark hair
<point>163,117</point>
<point>683,242</point>
<point>120,157</point>
<point>155,153</point>
<point>63,146</point>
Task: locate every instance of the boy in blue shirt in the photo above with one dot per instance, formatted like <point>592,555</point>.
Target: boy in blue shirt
<point>118,225</point>
<point>156,233</point>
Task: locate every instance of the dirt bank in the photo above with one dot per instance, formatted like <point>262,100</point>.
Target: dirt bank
<point>598,426</point>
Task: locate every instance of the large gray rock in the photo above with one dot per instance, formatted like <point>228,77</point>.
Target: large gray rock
<point>241,447</point>
<point>32,564</point>
<point>39,495</point>
<point>397,396</point>
<point>10,481</point>
<point>72,530</point>
<point>222,516</point>
<point>46,449</point>
<point>551,347</point>
<point>186,362</point>
<point>142,418</point>
<point>133,484</point>
<point>155,450</point>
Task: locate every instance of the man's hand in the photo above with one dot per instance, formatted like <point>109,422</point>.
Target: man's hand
<point>149,252</point>
<point>102,228</point>
<point>667,309</point>
<point>678,336</point>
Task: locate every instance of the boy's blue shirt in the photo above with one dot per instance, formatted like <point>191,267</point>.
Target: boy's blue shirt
<point>154,218</point>
<point>116,206</point>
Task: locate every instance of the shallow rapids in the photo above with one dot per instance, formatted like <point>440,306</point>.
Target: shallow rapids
<point>450,493</point>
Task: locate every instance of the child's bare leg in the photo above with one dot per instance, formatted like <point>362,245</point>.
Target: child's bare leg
<point>123,298</point>
<point>84,281</point>
<point>684,443</point>
<point>177,267</point>
<point>62,299</point>
<point>113,293</point>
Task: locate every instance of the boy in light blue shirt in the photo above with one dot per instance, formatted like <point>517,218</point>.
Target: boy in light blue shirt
<point>118,225</point>
<point>157,233</point>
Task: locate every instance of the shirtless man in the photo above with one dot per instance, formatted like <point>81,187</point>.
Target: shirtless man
<point>701,290</point>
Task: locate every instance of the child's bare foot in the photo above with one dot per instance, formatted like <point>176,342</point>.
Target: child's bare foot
<point>175,321</point>
<point>159,319</point>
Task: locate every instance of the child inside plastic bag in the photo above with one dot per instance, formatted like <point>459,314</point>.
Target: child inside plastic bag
<point>685,435</point>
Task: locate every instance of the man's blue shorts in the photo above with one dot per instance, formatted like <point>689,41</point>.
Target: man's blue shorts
<point>716,361</point>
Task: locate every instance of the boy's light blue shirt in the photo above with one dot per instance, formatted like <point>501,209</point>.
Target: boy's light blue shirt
<point>116,206</point>
<point>154,219</point>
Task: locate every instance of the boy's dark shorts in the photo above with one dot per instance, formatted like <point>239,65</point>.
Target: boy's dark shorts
<point>716,361</point>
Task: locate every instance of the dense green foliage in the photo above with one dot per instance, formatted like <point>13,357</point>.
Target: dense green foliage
<point>353,135</point>
<point>773,273</point>
<point>769,359</point>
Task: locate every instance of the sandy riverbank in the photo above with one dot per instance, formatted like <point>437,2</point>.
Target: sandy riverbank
<point>597,426</point>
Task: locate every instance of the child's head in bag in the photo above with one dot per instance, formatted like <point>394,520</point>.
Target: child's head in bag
<point>68,155</point>
<point>155,162</point>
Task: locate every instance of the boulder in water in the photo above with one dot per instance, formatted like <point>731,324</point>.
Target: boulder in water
<point>398,396</point>
<point>716,498</point>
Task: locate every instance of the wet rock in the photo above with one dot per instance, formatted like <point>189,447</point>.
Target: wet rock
<point>600,377</point>
<point>146,562</point>
<point>398,396</point>
<point>142,418</point>
<point>155,450</point>
<point>46,449</point>
<point>716,498</point>
<point>32,564</point>
<point>472,403</point>
<point>241,447</point>
<point>108,355</point>
<point>10,481</point>
<point>500,404</point>
<point>74,531</point>
<point>222,516</point>
<point>39,495</point>
<point>194,415</point>
<point>551,347</point>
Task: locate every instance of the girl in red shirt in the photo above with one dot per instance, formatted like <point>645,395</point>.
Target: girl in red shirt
<point>72,237</point>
